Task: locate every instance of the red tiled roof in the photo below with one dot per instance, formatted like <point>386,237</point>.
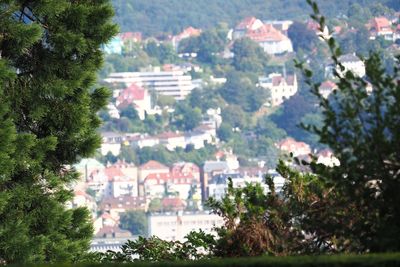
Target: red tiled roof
<point>175,178</point>
<point>266,33</point>
<point>188,32</point>
<point>246,23</point>
<point>136,36</point>
<point>279,79</point>
<point>290,143</point>
<point>113,172</point>
<point>219,154</point>
<point>153,165</point>
<point>173,203</point>
<point>380,23</point>
<point>184,168</point>
<point>130,94</point>
<point>328,85</point>
<point>112,231</point>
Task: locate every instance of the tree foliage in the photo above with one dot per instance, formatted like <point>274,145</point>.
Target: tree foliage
<point>249,56</point>
<point>153,17</point>
<point>240,90</point>
<point>50,52</point>
<point>135,222</point>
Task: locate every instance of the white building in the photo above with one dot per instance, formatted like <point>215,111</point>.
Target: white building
<point>136,96</point>
<point>111,142</point>
<point>281,88</point>
<point>326,88</point>
<point>120,184</point>
<point>155,185</point>
<point>219,184</point>
<point>267,36</point>
<point>350,62</point>
<point>353,63</point>
<point>175,226</point>
<point>170,83</point>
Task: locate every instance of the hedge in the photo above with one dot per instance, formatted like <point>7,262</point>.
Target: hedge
<point>366,260</point>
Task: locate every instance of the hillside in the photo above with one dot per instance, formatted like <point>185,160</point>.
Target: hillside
<point>157,16</point>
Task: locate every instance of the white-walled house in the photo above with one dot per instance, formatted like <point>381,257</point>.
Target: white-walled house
<point>135,96</point>
<point>289,145</point>
<point>280,87</point>
<point>267,36</point>
<point>120,184</point>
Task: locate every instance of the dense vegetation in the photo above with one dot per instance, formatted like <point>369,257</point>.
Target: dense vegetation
<point>154,17</point>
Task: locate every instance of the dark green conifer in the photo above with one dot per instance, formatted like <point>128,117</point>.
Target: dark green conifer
<point>50,52</point>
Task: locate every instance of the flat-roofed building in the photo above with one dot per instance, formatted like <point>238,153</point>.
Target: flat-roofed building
<point>170,83</point>
<point>176,225</point>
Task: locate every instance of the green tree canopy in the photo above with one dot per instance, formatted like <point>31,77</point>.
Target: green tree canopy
<point>135,222</point>
<point>249,56</point>
<point>240,90</point>
<point>50,53</point>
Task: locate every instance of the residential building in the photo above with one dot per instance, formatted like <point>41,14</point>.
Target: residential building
<point>200,136</point>
<point>87,166</point>
<point>353,63</point>
<point>280,87</point>
<point>267,36</point>
<point>172,140</point>
<point>170,83</point>
<point>327,158</point>
<point>111,142</point>
<point>112,232</point>
<point>381,26</point>
<point>141,141</point>
<point>135,96</point>
<point>173,204</point>
<point>116,205</point>
<point>326,88</point>
<point>289,145</point>
<point>97,181</point>
<point>174,226</point>
<point>219,183</point>
<point>157,184</point>
<point>186,33</point>
<point>186,168</point>
<point>120,184</point>
<point>281,25</point>
<point>247,24</point>
<point>350,62</point>
<point>211,168</point>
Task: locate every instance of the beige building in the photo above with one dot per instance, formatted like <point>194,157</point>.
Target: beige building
<point>175,226</point>
<point>280,87</point>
